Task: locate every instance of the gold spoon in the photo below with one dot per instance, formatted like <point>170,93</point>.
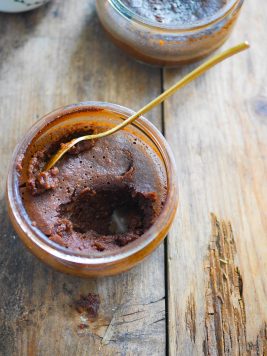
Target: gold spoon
<point>187,79</point>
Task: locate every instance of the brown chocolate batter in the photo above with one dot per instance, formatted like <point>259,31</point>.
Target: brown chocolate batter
<point>175,11</point>
<point>100,196</point>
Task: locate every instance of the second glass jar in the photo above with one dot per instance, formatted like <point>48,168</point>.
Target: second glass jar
<point>166,45</point>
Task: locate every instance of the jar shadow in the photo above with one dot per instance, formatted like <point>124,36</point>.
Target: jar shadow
<point>17,28</point>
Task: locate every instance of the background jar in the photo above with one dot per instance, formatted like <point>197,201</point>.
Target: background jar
<point>166,45</point>
<point>80,263</point>
<point>20,6</point>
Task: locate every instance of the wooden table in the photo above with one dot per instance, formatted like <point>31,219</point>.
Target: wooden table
<point>205,289</point>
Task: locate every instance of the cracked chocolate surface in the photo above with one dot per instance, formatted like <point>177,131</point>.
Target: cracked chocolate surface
<point>175,11</point>
<point>101,195</point>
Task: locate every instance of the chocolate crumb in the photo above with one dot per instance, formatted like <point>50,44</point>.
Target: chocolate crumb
<point>89,304</point>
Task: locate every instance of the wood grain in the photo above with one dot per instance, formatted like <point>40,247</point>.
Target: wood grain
<point>54,56</point>
<point>217,128</point>
<point>220,144</point>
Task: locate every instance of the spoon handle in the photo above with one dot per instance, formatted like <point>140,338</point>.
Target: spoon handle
<point>184,81</point>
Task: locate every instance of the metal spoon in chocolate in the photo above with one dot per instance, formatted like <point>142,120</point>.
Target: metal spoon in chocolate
<point>187,79</point>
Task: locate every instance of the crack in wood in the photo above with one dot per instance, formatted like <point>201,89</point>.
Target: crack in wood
<point>125,322</point>
<point>190,317</point>
<point>225,317</point>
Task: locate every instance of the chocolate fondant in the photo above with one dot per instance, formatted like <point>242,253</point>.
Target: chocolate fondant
<point>100,196</point>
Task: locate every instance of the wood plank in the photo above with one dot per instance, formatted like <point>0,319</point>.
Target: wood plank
<point>217,129</point>
<point>51,57</point>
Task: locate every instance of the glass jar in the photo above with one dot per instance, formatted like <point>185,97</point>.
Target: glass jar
<point>74,262</point>
<point>162,44</point>
<point>20,5</point>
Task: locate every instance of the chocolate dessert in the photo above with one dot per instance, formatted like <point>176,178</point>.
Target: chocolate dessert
<point>168,32</point>
<point>100,196</point>
<point>175,11</point>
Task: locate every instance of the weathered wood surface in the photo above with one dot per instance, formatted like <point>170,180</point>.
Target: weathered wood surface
<point>217,128</point>
<point>220,144</point>
<point>51,57</point>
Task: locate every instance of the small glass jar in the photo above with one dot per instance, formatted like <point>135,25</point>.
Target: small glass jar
<point>163,44</point>
<point>79,263</point>
<point>20,5</point>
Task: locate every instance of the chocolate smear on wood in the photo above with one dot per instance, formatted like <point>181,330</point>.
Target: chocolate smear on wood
<point>88,304</point>
<point>225,317</point>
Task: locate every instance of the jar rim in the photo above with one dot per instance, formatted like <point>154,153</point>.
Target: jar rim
<point>37,237</point>
<point>197,25</point>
